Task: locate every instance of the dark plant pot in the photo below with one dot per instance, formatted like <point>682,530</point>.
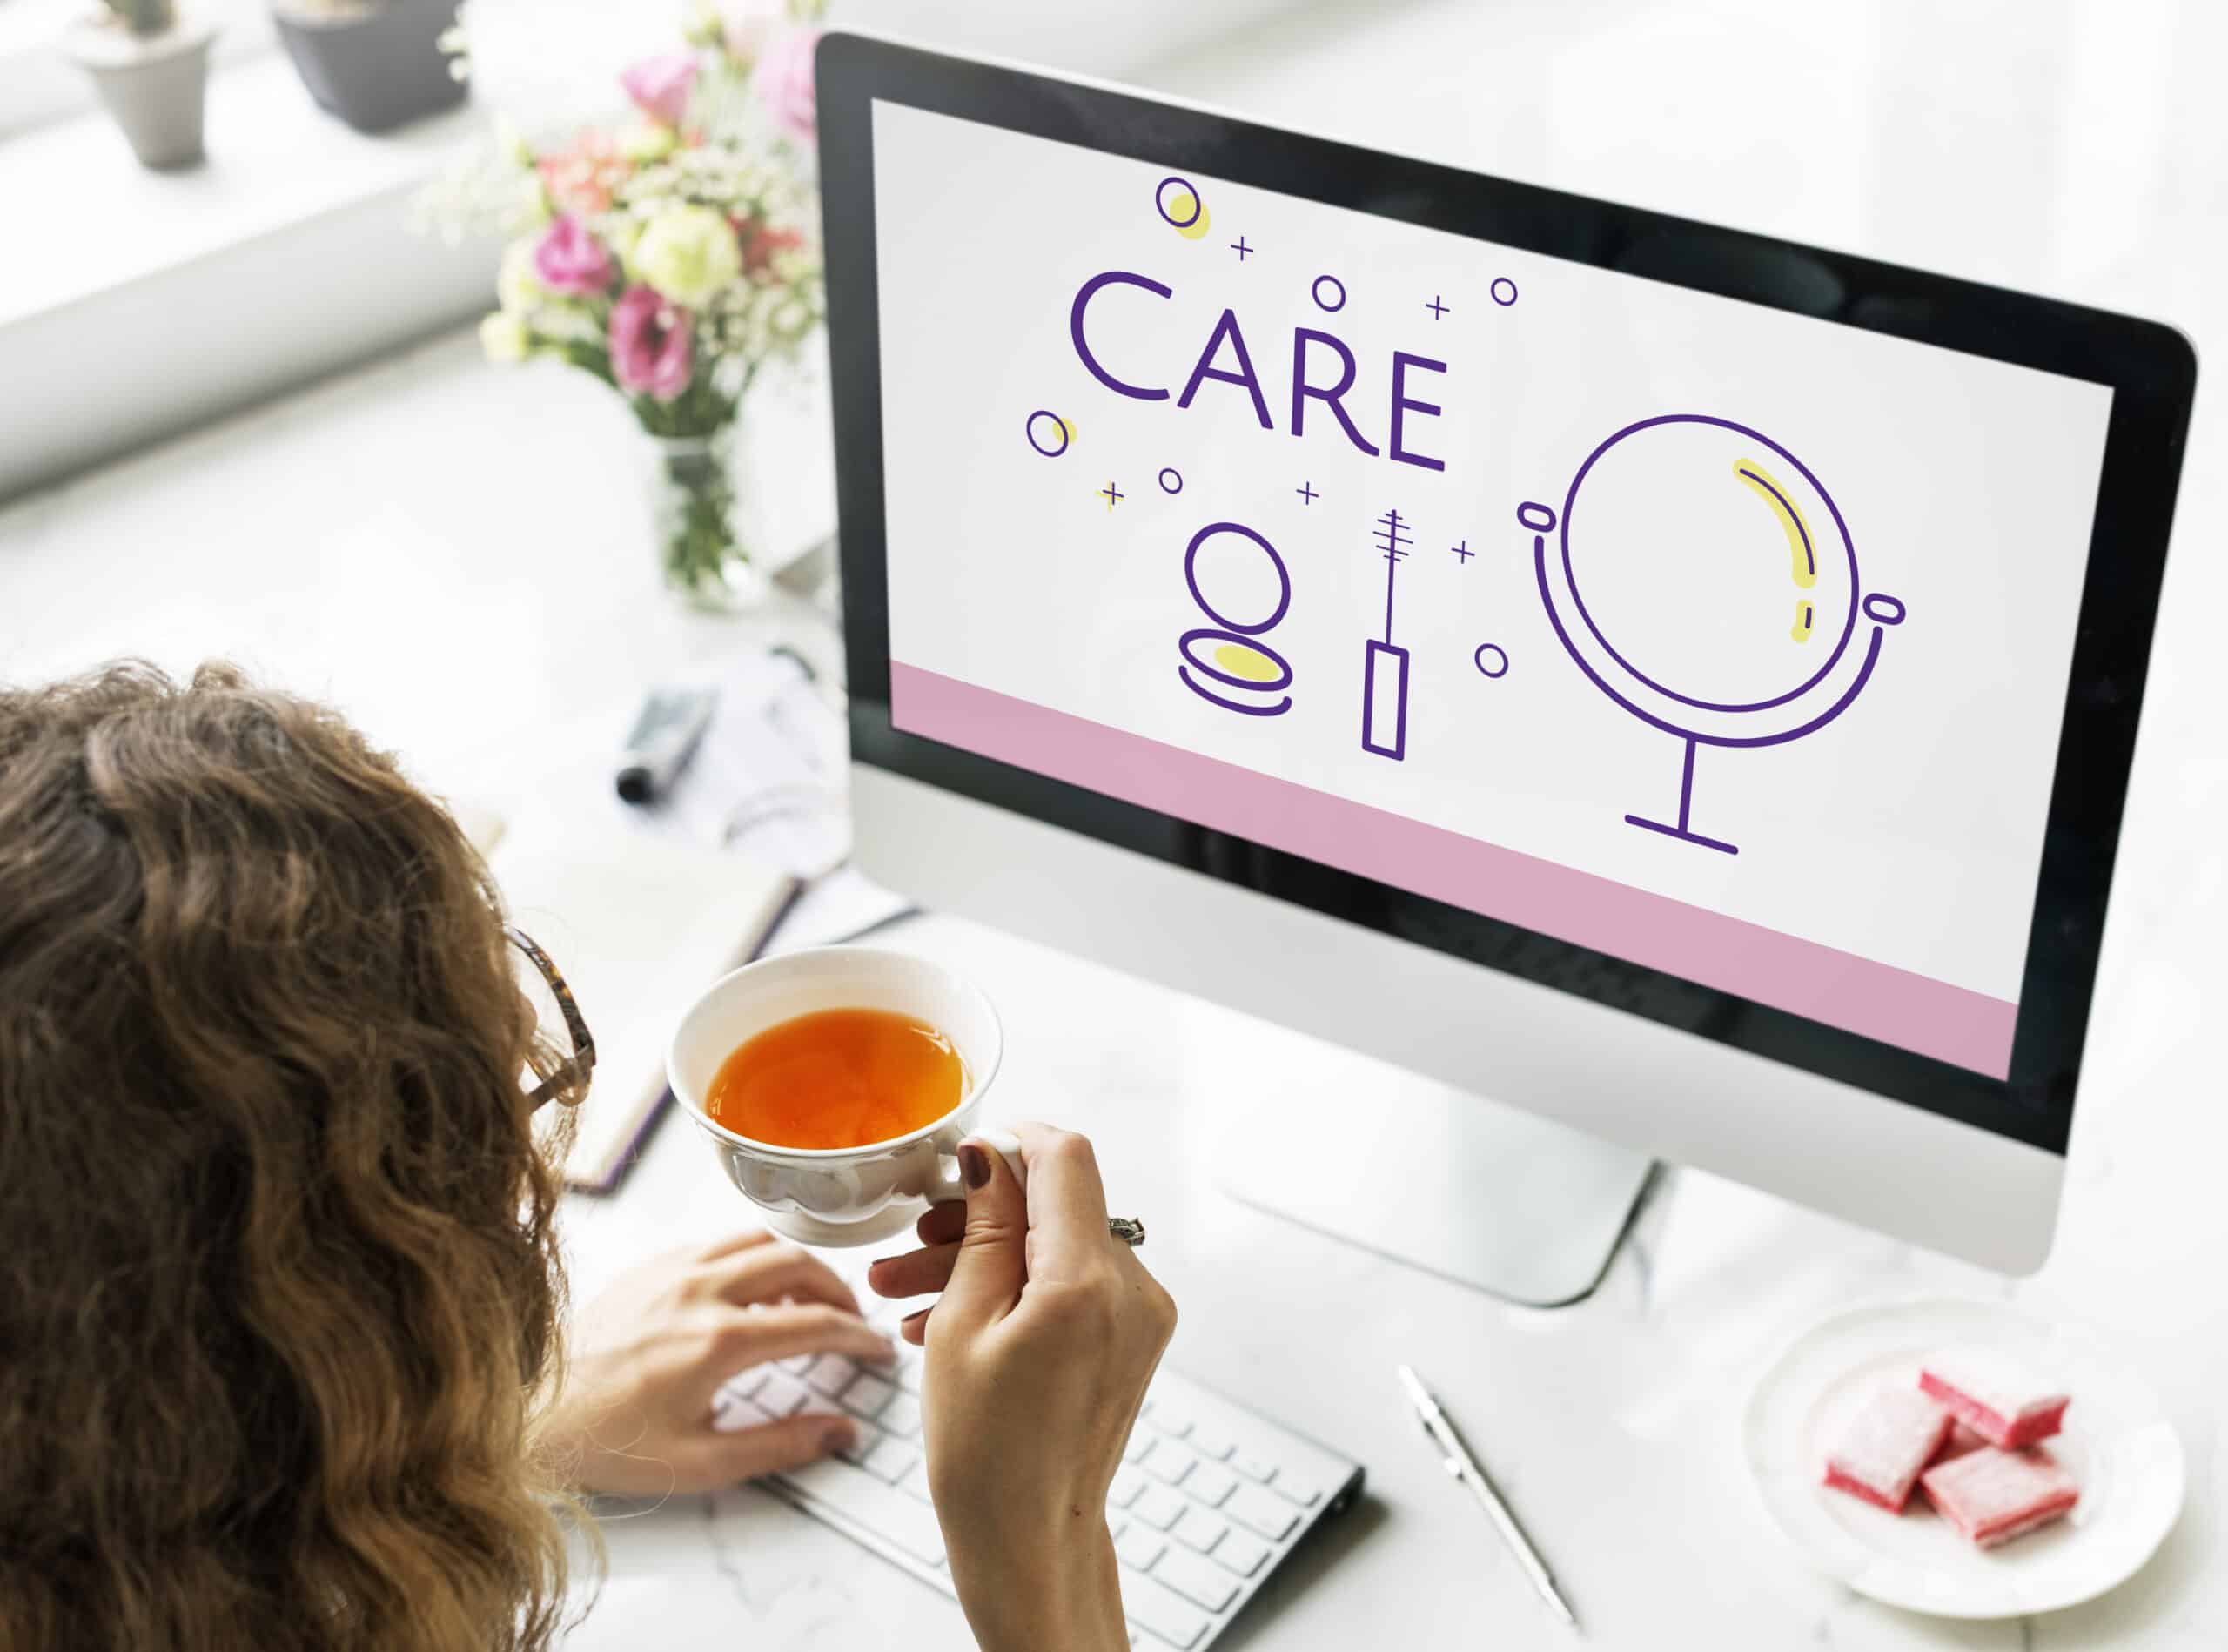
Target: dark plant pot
<point>378,70</point>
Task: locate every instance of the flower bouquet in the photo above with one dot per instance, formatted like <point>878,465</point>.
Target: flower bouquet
<point>673,257</point>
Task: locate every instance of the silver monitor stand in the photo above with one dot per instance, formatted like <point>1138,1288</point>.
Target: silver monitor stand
<point>1483,1194</point>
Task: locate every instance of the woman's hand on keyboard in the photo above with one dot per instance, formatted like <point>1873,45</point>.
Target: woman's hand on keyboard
<point>1038,1353</point>
<point>651,1350</point>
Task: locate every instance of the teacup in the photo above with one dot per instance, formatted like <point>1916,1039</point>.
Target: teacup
<point>848,1195</point>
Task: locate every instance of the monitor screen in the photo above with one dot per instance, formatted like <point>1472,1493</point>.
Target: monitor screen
<point>1706,635</point>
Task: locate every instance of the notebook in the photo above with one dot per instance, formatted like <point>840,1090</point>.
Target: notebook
<point>639,922</point>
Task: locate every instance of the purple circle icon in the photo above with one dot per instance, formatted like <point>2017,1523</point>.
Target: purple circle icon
<point>1059,427</point>
<point>1491,659</point>
<point>1315,290</point>
<point>1502,285</point>
<point>1190,190</point>
<point>1191,578</point>
<point>1171,479</point>
<point>1711,551</point>
<point>1813,553</point>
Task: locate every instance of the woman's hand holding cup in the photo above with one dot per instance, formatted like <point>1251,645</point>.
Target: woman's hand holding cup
<point>1038,1353</point>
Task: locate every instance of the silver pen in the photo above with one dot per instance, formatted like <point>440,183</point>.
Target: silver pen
<point>1463,1467</point>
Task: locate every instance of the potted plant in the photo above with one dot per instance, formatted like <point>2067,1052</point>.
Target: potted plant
<point>374,64</point>
<point>150,70</point>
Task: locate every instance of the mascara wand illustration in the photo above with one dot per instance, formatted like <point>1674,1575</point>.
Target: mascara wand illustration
<point>1384,663</point>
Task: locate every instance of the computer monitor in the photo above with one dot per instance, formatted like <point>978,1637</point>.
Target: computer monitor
<point>1675,681</point>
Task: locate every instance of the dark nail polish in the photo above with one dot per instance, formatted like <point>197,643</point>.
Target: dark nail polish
<point>915,1318</point>
<point>974,1166</point>
<point>879,1260</point>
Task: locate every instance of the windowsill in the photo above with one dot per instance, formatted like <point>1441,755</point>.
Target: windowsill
<point>275,158</point>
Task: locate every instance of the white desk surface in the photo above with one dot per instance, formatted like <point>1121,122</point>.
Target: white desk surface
<point>455,556</point>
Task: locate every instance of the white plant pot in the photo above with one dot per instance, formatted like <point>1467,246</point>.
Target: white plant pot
<point>152,85</point>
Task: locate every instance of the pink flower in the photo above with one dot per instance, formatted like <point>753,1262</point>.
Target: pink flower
<point>659,86</point>
<point>571,262</point>
<point>783,81</point>
<point>761,242</point>
<point>650,349</point>
<point>580,179</point>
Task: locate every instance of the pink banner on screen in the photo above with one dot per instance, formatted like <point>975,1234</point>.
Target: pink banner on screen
<point>1896,1006</point>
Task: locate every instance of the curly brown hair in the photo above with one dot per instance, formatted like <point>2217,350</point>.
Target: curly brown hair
<point>278,1285</point>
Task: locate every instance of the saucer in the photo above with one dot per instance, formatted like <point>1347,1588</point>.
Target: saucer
<point>2117,1442</point>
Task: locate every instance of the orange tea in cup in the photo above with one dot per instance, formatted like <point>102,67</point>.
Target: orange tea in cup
<point>837,1078</point>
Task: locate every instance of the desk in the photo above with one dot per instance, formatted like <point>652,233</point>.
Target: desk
<point>455,556</point>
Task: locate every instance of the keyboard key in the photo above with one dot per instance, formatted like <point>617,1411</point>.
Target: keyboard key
<point>818,1405</point>
<point>739,1414</point>
<point>746,1383</point>
<point>1116,1525</point>
<point>1294,1491</point>
<point>906,1373</point>
<point>901,1416</point>
<point>1251,1467</point>
<point>1240,1553</point>
<point>1212,1442</point>
<point>1170,1422</point>
<point>1162,1612</point>
<point>1141,1441</point>
<point>1210,1483</point>
<point>1201,1530</point>
<point>881,1509</point>
<point>831,1373</point>
<point>1194,1579</point>
<point>916,1483</point>
<point>1139,1548</point>
<point>868,1396</point>
<point>869,1437</point>
<point>1169,1464</point>
<point>892,1458</point>
<point>1128,1482</point>
<point>1159,1506</point>
<point>1270,1515</point>
<point>781,1396</point>
<point>799,1363</point>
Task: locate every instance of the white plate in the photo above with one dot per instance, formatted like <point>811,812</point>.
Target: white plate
<point>2117,1442</point>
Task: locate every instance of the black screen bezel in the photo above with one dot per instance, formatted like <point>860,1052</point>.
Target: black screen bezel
<point>2149,368</point>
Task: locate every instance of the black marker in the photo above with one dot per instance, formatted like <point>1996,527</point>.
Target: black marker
<point>665,732</point>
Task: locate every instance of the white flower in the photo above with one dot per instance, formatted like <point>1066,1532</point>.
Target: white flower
<point>505,337</point>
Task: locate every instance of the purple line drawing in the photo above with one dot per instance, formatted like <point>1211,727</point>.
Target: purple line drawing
<point>1315,291</point>
<point>1385,662</point>
<point>1463,550</point>
<point>1498,668</point>
<point>1112,495</point>
<point>1308,493</point>
<point>1241,662</point>
<point>1190,198</point>
<point>1059,427</point>
<point>1804,709</point>
<point>1436,308</point>
<point>1500,281</point>
<point>1171,479</point>
<point>1239,247</point>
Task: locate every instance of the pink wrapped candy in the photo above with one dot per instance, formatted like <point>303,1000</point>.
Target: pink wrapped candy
<point>1995,1397</point>
<point>1886,1446</point>
<point>1993,1496</point>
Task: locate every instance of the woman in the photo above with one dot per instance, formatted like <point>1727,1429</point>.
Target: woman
<point>279,1354</point>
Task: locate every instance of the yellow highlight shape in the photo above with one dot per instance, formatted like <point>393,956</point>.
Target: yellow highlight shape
<point>1800,545</point>
<point>1249,663</point>
<point>1182,205</point>
<point>1068,425</point>
<point>1801,631</point>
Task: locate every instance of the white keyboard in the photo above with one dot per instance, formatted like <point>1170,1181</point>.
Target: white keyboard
<point>1213,1495</point>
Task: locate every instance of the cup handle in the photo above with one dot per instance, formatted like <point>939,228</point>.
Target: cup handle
<point>948,1185</point>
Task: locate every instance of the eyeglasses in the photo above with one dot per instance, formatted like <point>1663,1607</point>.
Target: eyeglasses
<point>557,1068</point>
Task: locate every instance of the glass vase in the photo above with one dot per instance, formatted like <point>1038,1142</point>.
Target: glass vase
<point>698,523</point>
